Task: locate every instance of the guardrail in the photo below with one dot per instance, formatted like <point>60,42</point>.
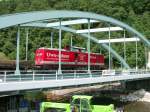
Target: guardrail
<point>36,75</point>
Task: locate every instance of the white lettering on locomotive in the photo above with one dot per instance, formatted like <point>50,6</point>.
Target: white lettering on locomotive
<point>48,54</point>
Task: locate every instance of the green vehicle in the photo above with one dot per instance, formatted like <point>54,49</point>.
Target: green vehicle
<point>80,103</point>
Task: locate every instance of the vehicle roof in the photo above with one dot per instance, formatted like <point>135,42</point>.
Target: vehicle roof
<point>81,97</point>
<point>55,105</point>
<point>45,48</point>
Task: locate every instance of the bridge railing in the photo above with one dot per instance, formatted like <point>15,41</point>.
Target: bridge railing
<point>36,75</point>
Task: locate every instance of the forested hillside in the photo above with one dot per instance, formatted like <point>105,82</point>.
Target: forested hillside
<point>136,13</point>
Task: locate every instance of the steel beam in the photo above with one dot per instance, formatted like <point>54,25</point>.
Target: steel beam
<point>88,47</point>
<point>124,44</point>
<point>71,43</point>
<point>109,48</point>
<point>51,39</point>
<point>17,72</point>
<point>71,22</point>
<point>27,38</point>
<point>59,67</point>
<point>136,53</point>
<point>100,30</point>
<point>119,40</point>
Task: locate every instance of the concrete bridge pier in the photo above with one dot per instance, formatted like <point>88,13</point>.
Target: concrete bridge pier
<point>136,85</point>
<point>123,85</point>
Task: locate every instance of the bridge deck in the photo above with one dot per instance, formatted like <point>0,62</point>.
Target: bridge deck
<point>40,80</point>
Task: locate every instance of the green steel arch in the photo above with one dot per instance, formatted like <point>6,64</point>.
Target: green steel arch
<point>28,17</point>
<point>20,18</point>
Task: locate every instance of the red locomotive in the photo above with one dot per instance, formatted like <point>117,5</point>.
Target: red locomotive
<point>49,58</point>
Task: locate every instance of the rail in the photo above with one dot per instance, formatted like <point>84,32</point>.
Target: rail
<point>36,75</point>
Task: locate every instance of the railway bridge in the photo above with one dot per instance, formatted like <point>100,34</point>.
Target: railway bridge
<point>63,20</point>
